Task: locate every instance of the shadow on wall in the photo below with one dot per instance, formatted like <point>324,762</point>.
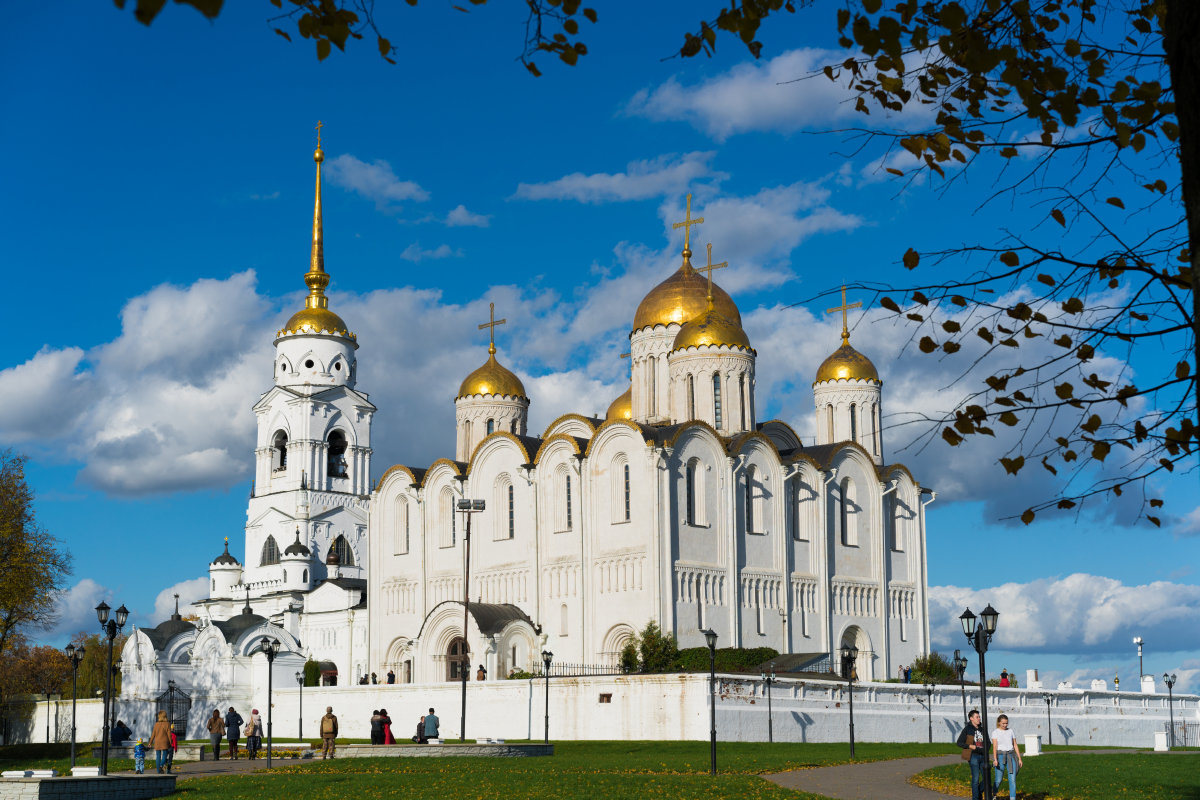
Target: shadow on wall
<point>953,728</point>
<point>1066,733</point>
<point>802,721</point>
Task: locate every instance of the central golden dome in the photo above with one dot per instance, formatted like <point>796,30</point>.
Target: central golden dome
<point>710,328</point>
<point>622,407</point>
<point>316,320</point>
<point>491,378</point>
<point>847,364</point>
<point>682,297</point>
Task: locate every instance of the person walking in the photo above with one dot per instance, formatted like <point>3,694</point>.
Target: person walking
<point>385,722</point>
<point>174,749</point>
<point>973,738</point>
<point>329,732</point>
<point>1006,757</point>
<point>216,730</point>
<point>139,757</point>
<point>431,726</point>
<point>233,730</point>
<point>254,734</point>
<point>376,727</point>
<point>160,740</point>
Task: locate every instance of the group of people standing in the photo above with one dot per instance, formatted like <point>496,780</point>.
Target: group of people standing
<point>230,727</point>
<point>1006,756</point>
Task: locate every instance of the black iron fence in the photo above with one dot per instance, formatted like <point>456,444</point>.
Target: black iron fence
<point>1184,734</point>
<point>177,703</point>
<point>568,670</point>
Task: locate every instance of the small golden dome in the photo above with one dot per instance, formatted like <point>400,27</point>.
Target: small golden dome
<point>316,320</point>
<point>622,407</point>
<point>847,364</point>
<point>682,297</point>
<point>491,378</point>
<point>710,328</point>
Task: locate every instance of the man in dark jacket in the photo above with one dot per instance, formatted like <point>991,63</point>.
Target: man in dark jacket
<point>376,728</point>
<point>974,738</point>
<point>233,731</point>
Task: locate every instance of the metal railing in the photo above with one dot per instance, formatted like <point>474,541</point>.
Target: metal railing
<point>1186,734</point>
<point>568,670</point>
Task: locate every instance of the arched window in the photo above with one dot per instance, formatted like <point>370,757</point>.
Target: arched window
<point>513,427</point>
<point>270,553</point>
<point>742,398</point>
<point>344,553</point>
<point>491,426</point>
<point>650,364</point>
<point>829,421</point>
<point>802,506</point>
<point>458,658</point>
<point>279,445</point>
<point>748,500</point>
<point>337,454</point>
<point>563,619</point>
<point>716,382</point>
<point>619,489</point>
<point>562,498</point>
<point>401,527</point>
<point>305,578</point>
<point>512,513</point>
<point>625,481</point>
<point>567,499</point>
<point>446,511</point>
<point>694,493</point>
<point>853,423</point>
<point>503,501</point>
<point>691,397</point>
<point>848,509</point>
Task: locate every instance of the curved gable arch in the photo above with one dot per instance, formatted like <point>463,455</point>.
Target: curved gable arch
<point>550,444</point>
<point>783,434</point>
<point>398,474</point>
<point>621,424</point>
<point>572,425</point>
<point>493,442</point>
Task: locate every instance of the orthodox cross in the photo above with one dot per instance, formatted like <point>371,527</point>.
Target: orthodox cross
<point>687,224</point>
<point>709,267</point>
<point>491,326</point>
<point>844,307</point>
<point>319,126</point>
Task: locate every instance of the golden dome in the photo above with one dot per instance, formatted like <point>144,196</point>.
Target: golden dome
<point>710,328</point>
<point>491,378</point>
<point>682,297</point>
<point>316,320</point>
<point>847,364</point>
<point>622,407</point>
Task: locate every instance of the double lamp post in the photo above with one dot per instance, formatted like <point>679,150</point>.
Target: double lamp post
<point>110,628</point>
<point>979,632</point>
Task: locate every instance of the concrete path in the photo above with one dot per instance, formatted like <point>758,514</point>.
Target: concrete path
<point>876,780</point>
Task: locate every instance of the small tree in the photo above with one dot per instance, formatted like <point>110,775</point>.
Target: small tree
<point>629,656</point>
<point>658,651</point>
<point>312,673</point>
<point>933,668</point>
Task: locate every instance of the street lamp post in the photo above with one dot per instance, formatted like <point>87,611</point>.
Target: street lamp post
<point>1170,681</point>
<point>1139,641</point>
<point>467,508</point>
<point>768,678</point>
<point>76,656</point>
<point>979,631</point>
<point>929,707</point>
<point>710,638</point>
<point>547,659</point>
<point>300,716</point>
<point>1049,730</point>
<point>849,657</point>
<point>110,628</point>
<point>960,669</point>
<point>269,648</point>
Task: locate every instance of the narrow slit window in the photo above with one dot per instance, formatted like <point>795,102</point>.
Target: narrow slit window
<point>716,381</point>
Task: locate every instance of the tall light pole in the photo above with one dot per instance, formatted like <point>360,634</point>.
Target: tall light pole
<point>768,678</point>
<point>76,656</point>
<point>300,717</point>
<point>1139,641</point>
<point>1049,729</point>
<point>110,628</point>
<point>1170,681</point>
<point>979,631</point>
<point>710,638</point>
<point>467,508</point>
<point>269,648</point>
<point>849,657</point>
<point>929,707</point>
<point>960,668</point>
<point>547,660</point>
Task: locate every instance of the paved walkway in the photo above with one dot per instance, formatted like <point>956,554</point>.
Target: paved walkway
<point>876,780</point>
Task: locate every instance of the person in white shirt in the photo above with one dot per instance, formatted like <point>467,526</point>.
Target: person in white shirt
<point>1006,756</point>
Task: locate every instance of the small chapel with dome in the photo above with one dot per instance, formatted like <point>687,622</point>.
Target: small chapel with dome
<point>679,507</point>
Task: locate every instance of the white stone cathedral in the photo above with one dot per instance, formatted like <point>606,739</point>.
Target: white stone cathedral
<point>678,507</point>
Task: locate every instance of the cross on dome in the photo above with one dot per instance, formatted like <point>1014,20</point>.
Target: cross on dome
<point>709,267</point>
<point>491,326</point>
<point>844,307</point>
<point>687,224</point>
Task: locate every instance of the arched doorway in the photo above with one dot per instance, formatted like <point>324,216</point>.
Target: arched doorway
<point>864,664</point>
<point>458,658</point>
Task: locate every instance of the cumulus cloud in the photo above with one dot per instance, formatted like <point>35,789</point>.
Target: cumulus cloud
<point>1075,614</point>
<point>666,175</point>
<point>1190,524</point>
<point>189,592</point>
<point>76,609</point>
<point>415,253</point>
<point>375,181</point>
<point>461,217</point>
<point>45,396</point>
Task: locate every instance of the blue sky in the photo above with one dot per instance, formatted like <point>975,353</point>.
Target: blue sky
<point>156,211</point>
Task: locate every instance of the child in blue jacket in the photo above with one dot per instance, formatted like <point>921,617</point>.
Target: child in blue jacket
<point>139,757</point>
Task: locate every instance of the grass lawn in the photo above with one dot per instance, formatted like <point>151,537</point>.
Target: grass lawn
<point>609,770</point>
<point>1082,776</point>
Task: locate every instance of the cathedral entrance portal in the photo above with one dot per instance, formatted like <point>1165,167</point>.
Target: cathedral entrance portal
<point>458,658</point>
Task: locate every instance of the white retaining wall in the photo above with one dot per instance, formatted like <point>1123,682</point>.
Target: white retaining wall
<point>667,707</point>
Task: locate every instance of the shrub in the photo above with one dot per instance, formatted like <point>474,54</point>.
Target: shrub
<point>729,659</point>
<point>312,673</point>
<point>629,657</point>
<point>934,668</point>
<point>520,675</point>
<point>657,651</point>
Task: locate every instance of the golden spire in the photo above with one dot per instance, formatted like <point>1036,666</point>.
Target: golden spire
<point>316,279</point>
<point>844,307</point>
<point>491,326</point>
<point>687,224</point>
<point>709,267</point>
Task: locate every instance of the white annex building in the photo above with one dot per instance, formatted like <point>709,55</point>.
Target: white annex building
<point>679,507</point>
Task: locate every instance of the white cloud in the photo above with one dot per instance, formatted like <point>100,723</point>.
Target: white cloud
<point>414,253</point>
<point>77,609</point>
<point>375,181</point>
<point>461,217</point>
<point>189,592</point>
<point>1079,613</point>
<point>44,396</point>
<point>665,175</point>
<point>1188,526</point>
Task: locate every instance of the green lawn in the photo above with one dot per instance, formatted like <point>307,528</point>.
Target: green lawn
<point>1083,776</point>
<point>609,770</point>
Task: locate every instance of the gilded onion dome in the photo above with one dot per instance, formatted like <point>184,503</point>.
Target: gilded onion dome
<point>492,378</point>
<point>682,297</point>
<point>622,407</point>
<point>316,317</point>
<point>711,328</point>
<point>847,364</point>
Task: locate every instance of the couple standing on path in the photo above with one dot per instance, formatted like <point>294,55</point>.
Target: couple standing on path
<point>1006,756</point>
<point>381,727</point>
<point>231,728</point>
